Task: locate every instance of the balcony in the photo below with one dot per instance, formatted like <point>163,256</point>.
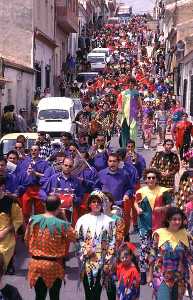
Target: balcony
<point>67,15</point>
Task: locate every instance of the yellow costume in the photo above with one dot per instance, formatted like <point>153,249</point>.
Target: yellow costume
<point>10,214</point>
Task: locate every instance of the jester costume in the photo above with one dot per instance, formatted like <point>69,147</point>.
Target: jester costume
<point>185,190</point>
<point>170,257</point>
<point>129,101</point>
<point>184,132</point>
<point>166,162</point>
<point>96,245</point>
<point>46,238</point>
<point>128,282</point>
<point>150,220</point>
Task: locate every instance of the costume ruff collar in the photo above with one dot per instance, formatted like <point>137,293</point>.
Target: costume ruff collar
<point>173,238</point>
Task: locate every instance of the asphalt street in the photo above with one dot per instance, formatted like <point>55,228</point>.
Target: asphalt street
<point>70,290</point>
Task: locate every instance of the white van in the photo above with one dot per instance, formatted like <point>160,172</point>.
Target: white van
<point>103,50</point>
<point>97,61</point>
<point>56,115</point>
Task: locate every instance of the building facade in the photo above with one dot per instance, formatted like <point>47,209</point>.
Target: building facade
<point>176,21</point>
<point>35,38</point>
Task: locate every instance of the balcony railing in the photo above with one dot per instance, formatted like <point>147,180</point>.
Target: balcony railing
<point>67,15</point>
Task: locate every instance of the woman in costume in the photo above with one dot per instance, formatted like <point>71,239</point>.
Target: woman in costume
<point>171,260</point>
<point>46,238</point>
<point>185,190</point>
<point>184,130</point>
<point>151,203</point>
<point>96,243</point>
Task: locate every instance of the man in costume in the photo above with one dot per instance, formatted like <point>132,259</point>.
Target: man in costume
<point>134,158</point>
<point>117,182</point>
<point>151,204</point>
<point>54,168</point>
<point>31,170</point>
<point>65,184</point>
<point>129,114</point>
<point>89,179</point>
<point>46,238</point>
<point>99,153</point>
<point>167,162</point>
<point>10,179</point>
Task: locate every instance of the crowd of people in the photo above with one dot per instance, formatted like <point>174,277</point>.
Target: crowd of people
<point>83,191</point>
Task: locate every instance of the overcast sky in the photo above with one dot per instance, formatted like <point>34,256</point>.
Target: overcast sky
<point>139,5</point>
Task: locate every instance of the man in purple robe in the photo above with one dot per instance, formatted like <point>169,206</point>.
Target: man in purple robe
<point>64,183</point>
<point>30,171</point>
<point>115,180</point>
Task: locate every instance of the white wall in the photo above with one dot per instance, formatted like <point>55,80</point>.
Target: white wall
<point>19,90</point>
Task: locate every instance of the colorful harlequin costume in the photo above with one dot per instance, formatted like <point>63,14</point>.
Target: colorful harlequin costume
<point>96,247</point>
<point>46,238</point>
<point>128,282</point>
<point>184,131</point>
<point>163,162</point>
<point>170,256</point>
<point>185,190</point>
<point>150,219</point>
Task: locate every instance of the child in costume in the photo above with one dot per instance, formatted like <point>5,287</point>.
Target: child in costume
<point>128,275</point>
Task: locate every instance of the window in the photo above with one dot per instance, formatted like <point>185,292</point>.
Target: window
<point>38,71</point>
<point>191,96</point>
<point>185,92</point>
<point>47,71</point>
<point>9,96</point>
<point>51,114</point>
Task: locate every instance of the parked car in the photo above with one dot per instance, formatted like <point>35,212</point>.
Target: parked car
<point>8,141</point>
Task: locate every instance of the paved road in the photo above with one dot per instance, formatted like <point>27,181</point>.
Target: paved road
<point>69,291</point>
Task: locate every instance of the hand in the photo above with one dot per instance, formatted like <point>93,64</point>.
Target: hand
<point>80,178</point>
<point>29,170</point>
<point>95,147</point>
<point>4,232</point>
<point>139,210</point>
<point>158,209</point>
<point>149,278</point>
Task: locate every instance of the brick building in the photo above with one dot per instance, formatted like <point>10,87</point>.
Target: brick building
<point>176,21</point>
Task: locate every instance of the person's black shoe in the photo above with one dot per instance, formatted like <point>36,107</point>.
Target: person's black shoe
<point>10,270</point>
<point>143,278</point>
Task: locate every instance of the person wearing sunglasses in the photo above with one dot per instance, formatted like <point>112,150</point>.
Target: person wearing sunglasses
<point>66,183</point>
<point>30,171</point>
<point>55,167</point>
<point>151,203</point>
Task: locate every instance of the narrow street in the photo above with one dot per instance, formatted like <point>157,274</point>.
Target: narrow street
<point>70,291</point>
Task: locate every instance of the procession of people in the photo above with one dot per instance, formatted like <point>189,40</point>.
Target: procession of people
<point>86,192</point>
